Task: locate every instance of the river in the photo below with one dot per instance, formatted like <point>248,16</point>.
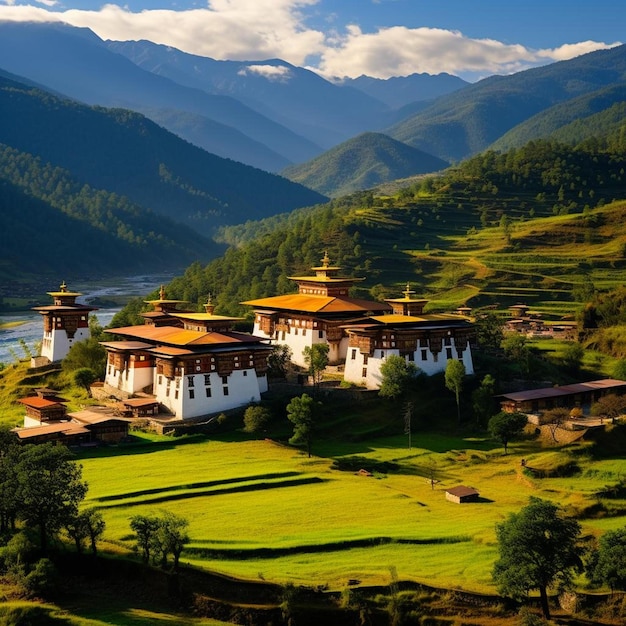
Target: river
<point>27,326</point>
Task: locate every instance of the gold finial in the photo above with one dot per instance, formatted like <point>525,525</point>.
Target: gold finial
<point>326,259</point>
<point>162,293</point>
<point>63,287</point>
<point>407,292</point>
<point>209,307</point>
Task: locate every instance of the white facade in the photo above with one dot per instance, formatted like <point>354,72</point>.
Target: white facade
<point>363,369</point>
<point>203,394</point>
<point>56,343</point>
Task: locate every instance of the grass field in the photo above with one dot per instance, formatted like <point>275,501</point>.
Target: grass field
<point>262,510</point>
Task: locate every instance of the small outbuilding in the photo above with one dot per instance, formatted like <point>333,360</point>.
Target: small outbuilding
<point>462,494</point>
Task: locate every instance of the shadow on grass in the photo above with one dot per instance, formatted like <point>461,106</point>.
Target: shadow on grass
<point>335,546</point>
<point>259,486</point>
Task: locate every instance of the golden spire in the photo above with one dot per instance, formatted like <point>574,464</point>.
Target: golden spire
<point>408,292</point>
<point>209,307</point>
<point>326,259</point>
<point>162,293</point>
<point>63,287</point>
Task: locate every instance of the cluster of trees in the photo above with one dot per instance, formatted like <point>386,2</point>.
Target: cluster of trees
<point>41,489</point>
<point>540,549</point>
<point>159,536</point>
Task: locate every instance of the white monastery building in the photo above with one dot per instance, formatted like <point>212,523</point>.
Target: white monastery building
<point>429,340</point>
<point>318,313</point>
<point>193,364</point>
<point>64,323</point>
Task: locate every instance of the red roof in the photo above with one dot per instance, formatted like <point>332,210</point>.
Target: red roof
<point>36,402</point>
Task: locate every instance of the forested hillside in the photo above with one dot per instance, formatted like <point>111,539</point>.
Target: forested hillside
<point>362,163</point>
<point>467,121</point>
<point>50,223</point>
<point>127,154</point>
<point>596,115</point>
<point>534,223</point>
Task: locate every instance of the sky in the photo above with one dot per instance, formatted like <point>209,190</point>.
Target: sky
<point>347,38</point>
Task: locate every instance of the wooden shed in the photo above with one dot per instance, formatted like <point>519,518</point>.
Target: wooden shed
<point>462,494</point>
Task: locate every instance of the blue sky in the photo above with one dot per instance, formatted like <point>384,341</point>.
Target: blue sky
<point>382,38</point>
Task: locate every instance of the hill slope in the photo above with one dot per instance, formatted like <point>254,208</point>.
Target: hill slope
<point>362,163</point>
<point>125,153</point>
<point>497,229</point>
<point>572,121</point>
<point>470,119</point>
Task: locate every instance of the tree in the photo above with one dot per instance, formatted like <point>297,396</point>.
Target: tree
<point>84,377</point>
<point>482,400</point>
<point>397,374</point>
<point>455,373</point>
<point>88,524</point>
<point>555,418</point>
<point>610,406</point>
<point>300,411</point>
<point>88,353</point>
<point>279,360</point>
<point>515,347</point>
<point>619,370</point>
<point>145,528</point>
<point>49,488</point>
<point>505,426</point>
<point>608,564</point>
<point>537,550</point>
<point>316,359</point>
<point>255,418</point>
<point>171,537</point>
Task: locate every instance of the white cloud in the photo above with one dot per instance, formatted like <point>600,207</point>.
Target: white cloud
<point>399,51</point>
<point>273,73</point>
<point>254,30</point>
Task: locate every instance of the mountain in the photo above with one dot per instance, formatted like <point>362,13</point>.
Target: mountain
<point>596,114</point>
<point>291,96</point>
<point>465,122</point>
<point>362,163</point>
<point>77,63</point>
<point>87,190</point>
<point>399,91</point>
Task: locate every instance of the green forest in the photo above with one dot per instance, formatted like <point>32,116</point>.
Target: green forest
<point>463,237</point>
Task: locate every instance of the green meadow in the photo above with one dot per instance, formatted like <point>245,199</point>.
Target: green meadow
<point>258,509</point>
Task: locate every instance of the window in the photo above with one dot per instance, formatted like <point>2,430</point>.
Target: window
<point>353,355</point>
<point>207,379</point>
<point>447,341</point>
<point>435,357</point>
<point>167,392</point>
<point>365,359</point>
<point>424,355</point>
<point>364,372</point>
<point>190,381</point>
<point>160,380</point>
<point>320,334</point>
<point>448,353</point>
<point>176,395</point>
<point>208,392</point>
<point>411,356</point>
<point>382,354</point>
<point>225,391</point>
<point>192,394</point>
<point>224,380</point>
<point>245,373</point>
<point>304,332</point>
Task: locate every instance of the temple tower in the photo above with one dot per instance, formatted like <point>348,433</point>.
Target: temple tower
<point>64,323</point>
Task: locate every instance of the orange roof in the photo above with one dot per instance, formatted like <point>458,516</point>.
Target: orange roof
<point>176,336</point>
<point>317,304</point>
<point>38,403</point>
